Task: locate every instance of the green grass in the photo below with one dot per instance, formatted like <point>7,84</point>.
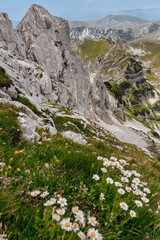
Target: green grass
<point>4,79</point>
<point>69,174</point>
<point>92,49</point>
<point>27,103</point>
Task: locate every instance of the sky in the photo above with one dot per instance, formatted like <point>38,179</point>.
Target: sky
<point>75,9</point>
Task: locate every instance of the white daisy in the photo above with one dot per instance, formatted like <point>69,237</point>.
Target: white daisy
<point>62,202</point>
<point>35,193</point>
<point>75,209</point>
<point>142,194</point>
<point>145,200</point>
<point>121,191</point>
<point>128,189</point>
<point>124,179</point>
<point>95,177</point>
<point>136,192</point>
<point>138,203</point>
<point>118,184</point>
<point>106,164</point>
<point>132,213</point>
<point>81,235</point>
<point>102,196</point>
<point>48,203</point>
<point>127,173</point>
<point>99,158</point>
<point>123,162</point>
<point>44,194</point>
<point>113,158</point>
<point>56,217</point>
<point>75,227</point>
<point>60,211</point>
<point>109,180</point>
<point>137,174</point>
<point>66,224</point>
<point>92,233</point>
<point>105,160</point>
<point>134,186</point>
<point>92,221</point>
<point>99,237</point>
<point>104,170</point>
<point>52,200</point>
<point>79,216</point>
<point>146,190</point>
<point>124,206</point>
<point>136,180</point>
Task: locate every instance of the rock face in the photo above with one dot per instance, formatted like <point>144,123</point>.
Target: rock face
<point>44,39</point>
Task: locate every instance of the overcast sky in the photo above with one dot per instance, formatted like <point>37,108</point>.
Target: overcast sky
<point>74,9</point>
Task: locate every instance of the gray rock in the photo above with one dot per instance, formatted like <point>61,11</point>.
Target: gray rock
<point>76,137</point>
<point>4,95</point>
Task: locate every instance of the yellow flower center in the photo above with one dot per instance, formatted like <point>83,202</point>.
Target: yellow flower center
<point>92,221</point>
<point>124,205</point>
<point>75,227</point>
<point>132,213</point>
<point>48,204</point>
<point>81,235</point>
<point>93,234</point>
<point>67,224</point>
<point>138,204</point>
<point>79,217</point>
<point>62,201</point>
<point>60,212</point>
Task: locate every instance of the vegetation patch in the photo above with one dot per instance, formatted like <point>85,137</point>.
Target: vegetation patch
<point>4,79</point>
<point>27,103</point>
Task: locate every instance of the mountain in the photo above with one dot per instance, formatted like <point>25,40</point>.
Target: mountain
<point>121,27</point>
<point>79,135</point>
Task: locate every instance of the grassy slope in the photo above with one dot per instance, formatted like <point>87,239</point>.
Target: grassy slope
<point>70,171</point>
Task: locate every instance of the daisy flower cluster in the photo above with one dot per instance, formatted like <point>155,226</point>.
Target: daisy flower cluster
<point>84,226</point>
<point>128,183</point>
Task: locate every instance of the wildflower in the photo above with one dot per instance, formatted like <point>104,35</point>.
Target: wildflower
<point>124,179</point>
<point>56,217</point>
<point>44,194</point>
<point>1,170</point>
<point>75,209</point>
<point>30,182</point>
<point>27,171</point>
<point>121,191</point>
<point>99,237</point>
<point>66,224</point>
<point>138,203</point>
<point>128,189</point>
<point>2,164</point>
<point>134,186</point>
<point>35,193</point>
<point>145,200</point>
<point>123,162</point>
<point>9,167</point>
<point>75,227</point>
<point>109,180</point>
<point>79,216</point>
<point>124,206</point>
<point>104,170</point>
<point>52,200</point>
<point>99,158</point>
<point>127,173</point>
<point>144,183</point>
<point>60,211</point>
<point>120,167</point>
<point>106,164</point>
<point>113,158</point>
<point>132,213</point>
<point>81,235</point>
<point>102,196</point>
<point>93,233</point>
<point>136,181</point>
<point>143,194</point>
<point>118,184</point>
<point>92,221</point>
<point>146,190</point>
<point>95,177</point>
<point>48,203</point>
<point>116,164</point>
<point>105,160</point>
<point>136,192</point>
<point>62,202</point>
<point>137,174</point>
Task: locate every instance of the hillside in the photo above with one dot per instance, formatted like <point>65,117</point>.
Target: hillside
<point>79,136</point>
